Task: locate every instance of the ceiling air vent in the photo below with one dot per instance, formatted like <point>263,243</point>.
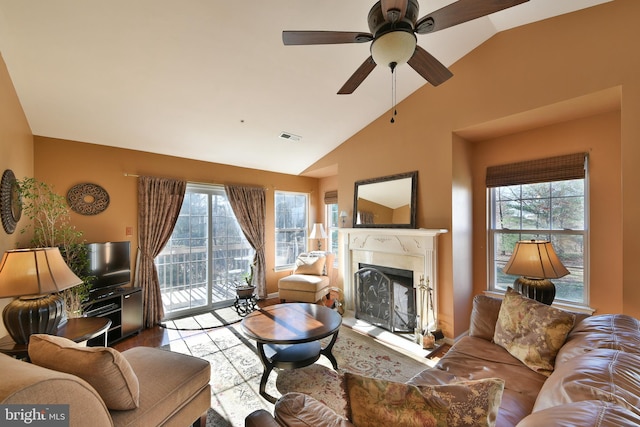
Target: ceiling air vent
<point>290,137</point>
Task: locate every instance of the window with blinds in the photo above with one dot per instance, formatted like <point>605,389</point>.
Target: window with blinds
<point>543,199</point>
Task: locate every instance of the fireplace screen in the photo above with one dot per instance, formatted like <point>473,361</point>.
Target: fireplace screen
<point>385,297</point>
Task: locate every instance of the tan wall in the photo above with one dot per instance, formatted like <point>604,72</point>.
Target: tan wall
<point>381,214</point>
<point>517,71</point>
<point>461,238</point>
<point>401,215</point>
<point>65,163</point>
<point>325,185</point>
<point>600,137</point>
<point>16,153</point>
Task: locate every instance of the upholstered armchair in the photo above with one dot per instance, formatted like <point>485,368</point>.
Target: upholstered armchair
<point>310,279</point>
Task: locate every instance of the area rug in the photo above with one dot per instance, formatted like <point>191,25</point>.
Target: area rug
<point>355,353</point>
<point>236,370</point>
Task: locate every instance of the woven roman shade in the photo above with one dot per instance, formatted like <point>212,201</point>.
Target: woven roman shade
<point>331,197</point>
<point>570,166</point>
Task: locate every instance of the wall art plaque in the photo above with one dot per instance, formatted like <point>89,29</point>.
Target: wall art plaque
<point>88,199</point>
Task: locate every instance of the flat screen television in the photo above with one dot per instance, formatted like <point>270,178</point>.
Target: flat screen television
<point>110,264</point>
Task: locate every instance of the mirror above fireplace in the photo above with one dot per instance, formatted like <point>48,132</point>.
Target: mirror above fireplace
<point>386,202</point>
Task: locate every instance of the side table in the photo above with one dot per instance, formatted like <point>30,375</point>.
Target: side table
<point>78,330</point>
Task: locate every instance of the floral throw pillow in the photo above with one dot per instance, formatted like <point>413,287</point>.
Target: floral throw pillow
<point>531,331</point>
<point>372,403</point>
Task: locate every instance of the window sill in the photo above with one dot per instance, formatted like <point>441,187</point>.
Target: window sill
<point>283,268</point>
<point>567,306</point>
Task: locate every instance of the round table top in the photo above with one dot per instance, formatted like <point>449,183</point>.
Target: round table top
<point>291,323</point>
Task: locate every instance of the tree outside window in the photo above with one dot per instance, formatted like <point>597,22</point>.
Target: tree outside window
<point>552,211</point>
<point>292,221</point>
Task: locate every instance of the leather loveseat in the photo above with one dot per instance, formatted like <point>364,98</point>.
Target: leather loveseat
<point>162,388</point>
<point>595,380</point>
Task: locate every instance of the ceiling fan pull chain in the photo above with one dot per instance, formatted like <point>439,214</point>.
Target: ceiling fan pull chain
<point>393,91</point>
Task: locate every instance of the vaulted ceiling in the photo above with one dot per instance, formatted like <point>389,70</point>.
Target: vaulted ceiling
<point>211,80</point>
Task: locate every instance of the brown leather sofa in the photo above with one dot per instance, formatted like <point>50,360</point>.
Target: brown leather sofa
<point>596,380</point>
<point>174,390</point>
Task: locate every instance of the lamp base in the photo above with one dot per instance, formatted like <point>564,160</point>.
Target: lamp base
<point>542,290</point>
<point>32,315</point>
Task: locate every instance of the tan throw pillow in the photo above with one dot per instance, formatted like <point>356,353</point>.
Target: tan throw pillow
<point>531,331</point>
<point>307,264</point>
<point>104,368</point>
<point>372,403</point>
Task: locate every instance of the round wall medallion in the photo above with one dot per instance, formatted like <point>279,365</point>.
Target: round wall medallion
<point>88,199</point>
<point>10,201</point>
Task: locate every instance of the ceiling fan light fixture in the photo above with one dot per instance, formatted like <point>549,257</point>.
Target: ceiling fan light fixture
<point>394,46</point>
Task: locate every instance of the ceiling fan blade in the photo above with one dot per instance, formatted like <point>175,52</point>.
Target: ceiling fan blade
<point>358,77</point>
<point>460,12</point>
<point>393,10</point>
<point>324,37</point>
<point>429,67</point>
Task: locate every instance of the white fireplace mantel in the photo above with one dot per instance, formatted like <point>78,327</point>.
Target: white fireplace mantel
<point>403,248</point>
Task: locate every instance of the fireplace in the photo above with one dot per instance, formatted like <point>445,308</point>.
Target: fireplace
<point>412,250</point>
<point>385,297</point>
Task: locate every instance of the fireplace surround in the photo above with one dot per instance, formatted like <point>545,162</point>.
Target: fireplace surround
<point>414,250</point>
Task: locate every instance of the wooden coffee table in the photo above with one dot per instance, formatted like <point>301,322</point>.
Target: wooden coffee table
<point>288,336</point>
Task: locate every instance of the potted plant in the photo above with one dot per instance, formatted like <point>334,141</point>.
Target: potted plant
<point>246,291</point>
<point>50,219</point>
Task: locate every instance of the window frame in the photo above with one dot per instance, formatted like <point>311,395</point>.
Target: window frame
<point>493,231</point>
<point>304,229</point>
<point>332,212</point>
<point>230,275</point>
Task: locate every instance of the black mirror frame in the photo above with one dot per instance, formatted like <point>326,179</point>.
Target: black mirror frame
<point>414,186</point>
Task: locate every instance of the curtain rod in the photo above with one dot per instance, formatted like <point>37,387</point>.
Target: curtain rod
<point>193,182</point>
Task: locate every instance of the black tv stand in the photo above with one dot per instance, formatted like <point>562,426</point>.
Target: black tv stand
<point>123,306</point>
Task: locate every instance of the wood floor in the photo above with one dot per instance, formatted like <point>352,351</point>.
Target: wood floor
<point>159,336</point>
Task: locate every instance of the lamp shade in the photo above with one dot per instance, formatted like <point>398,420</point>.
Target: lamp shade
<point>34,275</point>
<point>317,232</point>
<point>535,259</point>
<point>37,271</point>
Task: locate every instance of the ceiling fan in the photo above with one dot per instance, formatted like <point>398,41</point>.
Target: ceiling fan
<point>394,25</point>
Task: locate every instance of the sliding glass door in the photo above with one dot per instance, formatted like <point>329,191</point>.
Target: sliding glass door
<point>206,257</point>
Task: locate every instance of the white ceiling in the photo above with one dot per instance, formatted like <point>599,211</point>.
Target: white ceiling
<point>210,79</point>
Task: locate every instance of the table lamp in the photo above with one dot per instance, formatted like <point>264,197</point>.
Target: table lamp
<point>35,276</point>
<point>536,262</point>
<point>317,233</point>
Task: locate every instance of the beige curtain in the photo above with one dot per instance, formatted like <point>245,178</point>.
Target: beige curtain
<point>366,217</point>
<point>249,207</point>
<point>159,203</point>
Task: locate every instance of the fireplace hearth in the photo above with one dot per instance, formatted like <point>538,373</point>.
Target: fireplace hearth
<point>386,297</point>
